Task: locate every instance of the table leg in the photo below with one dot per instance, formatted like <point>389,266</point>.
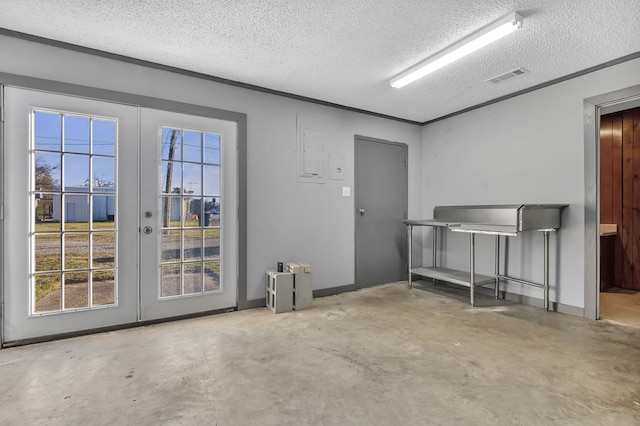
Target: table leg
<point>410,254</point>
<point>546,270</point>
<point>497,285</point>
<point>472,260</point>
<point>435,245</point>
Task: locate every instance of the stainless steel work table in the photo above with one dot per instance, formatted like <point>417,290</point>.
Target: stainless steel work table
<point>497,220</point>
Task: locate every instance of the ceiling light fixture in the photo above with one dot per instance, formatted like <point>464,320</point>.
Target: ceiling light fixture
<point>469,44</point>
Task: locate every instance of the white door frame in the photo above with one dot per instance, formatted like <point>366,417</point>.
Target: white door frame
<point>1,216</point>
<point>14,80</point>
<point>592,112</point>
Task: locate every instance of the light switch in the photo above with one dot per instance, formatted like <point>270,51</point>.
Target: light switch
<point>346,191</point>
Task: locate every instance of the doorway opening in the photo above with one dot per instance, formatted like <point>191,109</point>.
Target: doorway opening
<point>91,246</point>
<point>619,211</point>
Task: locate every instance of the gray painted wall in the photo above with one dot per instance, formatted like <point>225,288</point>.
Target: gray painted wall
<point>528,149</point>
<point>287,220</point>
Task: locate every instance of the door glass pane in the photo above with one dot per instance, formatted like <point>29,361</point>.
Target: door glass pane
<point>212,212</point>
<point>171,211</point>
<point>192,278</point>
<point>171,177</point>
<point>194,209</point>
<point>76,290</point>
<point>103,209</point>
<point>171,241</point>
<point>170,281</point>
<point>48,251</point>
<point>104,174</point>
<point>190,236</point>
<point>47,212</point>
<point>76,172</point>
<point>212,244</point>
<point>76,212</point>
<point>48,131</point>
<point>76,250</point>
<point>171,144</point>
<point>192,244</point>
<point>103,249</point>
<point>191,179</point>
<point>103,133</point>
<point>48,292</point>
<point>75,234</point>
<point>211,276</point>
<point>103,287</point>
<point>211,180</point>
<point>76,134</point>
<point>47,171</point>
<point>192,146</point>
<point>211,148</point>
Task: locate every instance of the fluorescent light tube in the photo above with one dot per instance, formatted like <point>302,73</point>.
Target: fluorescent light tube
<point>473,42</point>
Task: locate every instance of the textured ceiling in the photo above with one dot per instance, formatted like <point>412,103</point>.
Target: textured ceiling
<point>345,51</point>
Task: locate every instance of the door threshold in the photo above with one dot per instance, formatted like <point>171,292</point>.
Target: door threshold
<point>61,336</point>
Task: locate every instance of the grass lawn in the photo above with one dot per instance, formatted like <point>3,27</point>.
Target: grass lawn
<point>49,258</point>
<point>48,231</point>
<point>75,226</point>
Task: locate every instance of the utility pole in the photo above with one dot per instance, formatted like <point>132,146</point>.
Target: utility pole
<point>166,201</point>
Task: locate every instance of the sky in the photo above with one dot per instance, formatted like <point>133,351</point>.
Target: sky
<point>77,146</point>
<point>84,135</point>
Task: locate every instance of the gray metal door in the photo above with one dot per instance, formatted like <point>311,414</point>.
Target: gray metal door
<point>381,198</point>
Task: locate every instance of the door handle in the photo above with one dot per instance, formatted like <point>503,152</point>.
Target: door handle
<point>361,211</point>
<point>147,230</point>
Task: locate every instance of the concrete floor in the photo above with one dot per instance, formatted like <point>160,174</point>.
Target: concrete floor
<point>621,306</point>
<point>382,356</point>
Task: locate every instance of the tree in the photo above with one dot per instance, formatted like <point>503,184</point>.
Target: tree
<point>45,181</point>
<point>44,176</point>
<point>102,182</point>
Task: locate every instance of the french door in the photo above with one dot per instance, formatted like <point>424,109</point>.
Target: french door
<point>188,259</point>
<point>113,214</point>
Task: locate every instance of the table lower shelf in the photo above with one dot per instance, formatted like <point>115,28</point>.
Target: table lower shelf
<point>453,276</point>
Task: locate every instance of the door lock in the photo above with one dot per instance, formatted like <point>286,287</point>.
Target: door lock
<point>147,230</point>
<point>148,214</point>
